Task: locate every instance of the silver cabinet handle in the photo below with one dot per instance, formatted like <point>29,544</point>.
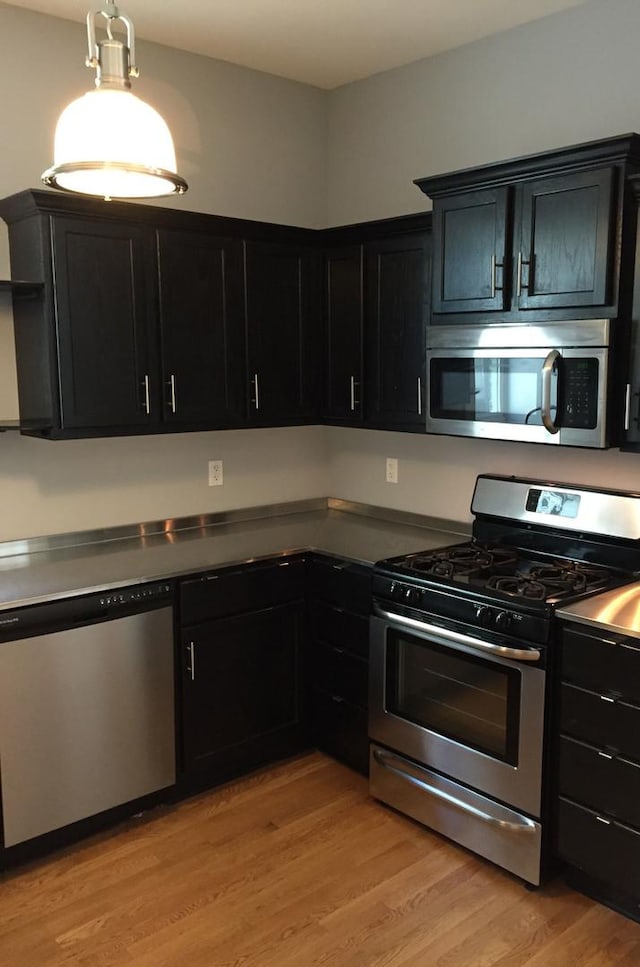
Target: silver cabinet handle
<point>419,395</point>
<point>493,276</point>
<point>146,404</point>
<point>519,275</point>
<point>453,639</point>
<point>627,407</point>
<point>191,666</point>
<point>545,410</point>
<point>256,392</point>
<point>172,387</point>
<point>355,383</point>
<point>388,761</point>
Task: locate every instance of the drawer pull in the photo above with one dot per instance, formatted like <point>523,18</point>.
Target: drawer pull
<point>607,698</point>
<point>629,647</point>
<point>605,755</point>
<point>605,822</point>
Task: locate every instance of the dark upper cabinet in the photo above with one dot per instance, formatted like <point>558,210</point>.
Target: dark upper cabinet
<point>282,304</point>
<point>565,254</point>
<point>470,253</point>
<point>103,297</point>
<point>201,328</point>
<point>376,309</point>
<point>538,237</point>
<point>344,317</point>
<point>397,311</point>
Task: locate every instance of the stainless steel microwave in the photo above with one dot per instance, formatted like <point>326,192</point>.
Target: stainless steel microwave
<point>534,383</point>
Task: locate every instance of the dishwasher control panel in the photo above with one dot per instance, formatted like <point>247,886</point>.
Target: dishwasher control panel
<point>136,595</point>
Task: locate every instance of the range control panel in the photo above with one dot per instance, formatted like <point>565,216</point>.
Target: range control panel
<point>136,595</point>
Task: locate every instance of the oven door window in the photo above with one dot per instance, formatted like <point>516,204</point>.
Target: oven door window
<point>472,700</point>
<point>490,389</point>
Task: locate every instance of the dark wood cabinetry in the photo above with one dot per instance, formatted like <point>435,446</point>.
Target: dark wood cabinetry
<point>598,765</point>
<point>241,659</point>
<point>282,298</point>
<point>339,602</point>
<point>546,234</point>
<point>344,333</point>
<point>376,312</point>
<point>155,320</point>
<point>201,329</point>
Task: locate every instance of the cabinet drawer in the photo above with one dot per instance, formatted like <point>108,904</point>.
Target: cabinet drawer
<point>340,729</point>
<point>337,582</point>
<point>339,628</point>
<point>602,721</point>
<point>610,664</point>
<point>239,590</point>
<point>340,674</point>
<point>609,785</point>
<point>602,848</point>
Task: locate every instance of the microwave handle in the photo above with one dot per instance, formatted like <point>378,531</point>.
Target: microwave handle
<point>545,410</point>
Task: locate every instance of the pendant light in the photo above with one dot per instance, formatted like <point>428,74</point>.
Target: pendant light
<point>109,142</point>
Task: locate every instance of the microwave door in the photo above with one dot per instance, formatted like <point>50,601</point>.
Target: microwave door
<point>494,393</point>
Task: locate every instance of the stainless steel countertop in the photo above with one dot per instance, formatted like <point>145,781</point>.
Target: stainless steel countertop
<point>615,611</point>
<point>51,568</point>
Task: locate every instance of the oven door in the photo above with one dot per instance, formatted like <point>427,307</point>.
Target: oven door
<point>473,716</point>
<point>539,395</point>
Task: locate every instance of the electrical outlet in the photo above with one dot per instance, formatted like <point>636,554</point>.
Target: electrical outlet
<point>216,478</point>
<point>392,470</point>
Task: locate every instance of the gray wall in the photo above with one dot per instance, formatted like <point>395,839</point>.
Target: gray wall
<point>250,145</point>
<point>568,78</point>
<point>259,147</point>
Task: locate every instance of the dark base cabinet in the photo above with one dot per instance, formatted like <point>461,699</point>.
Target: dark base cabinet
<point>339,602</point>
<point>598,766</point>
<point>241,648</point>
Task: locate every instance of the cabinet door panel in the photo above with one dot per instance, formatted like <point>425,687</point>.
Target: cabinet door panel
<point>606,850</point>
<point>241,681</point>
<point>600,720</point>
<point>283,328</point>
<point>606,783</point>
<point>566,226</point>
<point>608,665</point>
<point>104,290</point>
<point>344,304</point>
<point>397,314</point>
<point>202,332</point>
<point>469,237</point>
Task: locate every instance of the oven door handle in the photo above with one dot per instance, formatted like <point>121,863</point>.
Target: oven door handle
<point>385,759</point>
<point>453,638</point>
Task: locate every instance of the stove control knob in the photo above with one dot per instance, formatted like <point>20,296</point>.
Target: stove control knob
<point>483,614</point>
<point>503,620</point>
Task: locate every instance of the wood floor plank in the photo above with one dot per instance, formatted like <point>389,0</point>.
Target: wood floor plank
<point>295,866</point>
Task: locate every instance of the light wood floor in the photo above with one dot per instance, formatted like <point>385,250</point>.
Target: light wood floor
<point>293,867</point>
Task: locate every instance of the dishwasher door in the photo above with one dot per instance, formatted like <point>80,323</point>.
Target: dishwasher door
<point>86,720</point>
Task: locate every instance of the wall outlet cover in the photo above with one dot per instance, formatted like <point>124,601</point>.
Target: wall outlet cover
<point>216,477</point>
<point>392,470</point>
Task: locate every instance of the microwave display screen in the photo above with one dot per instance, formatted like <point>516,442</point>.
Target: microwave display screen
<point>554,502</point>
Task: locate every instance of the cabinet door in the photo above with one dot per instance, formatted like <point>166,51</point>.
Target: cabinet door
<point>564,255</point>
<point>103,281</point>
<point>344,303</point>
<point>469,251</point>
<point>283,315</point>
<point>397,314</point>
<point>200,292</point>
<point>241,689</point>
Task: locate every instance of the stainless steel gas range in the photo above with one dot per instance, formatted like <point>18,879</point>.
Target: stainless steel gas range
<point>462,660</point>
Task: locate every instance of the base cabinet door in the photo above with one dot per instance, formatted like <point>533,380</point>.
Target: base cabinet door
<point>241,690</point>
<point>337,660</point>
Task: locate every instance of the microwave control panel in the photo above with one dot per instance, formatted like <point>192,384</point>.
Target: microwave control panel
<point>580,393</point>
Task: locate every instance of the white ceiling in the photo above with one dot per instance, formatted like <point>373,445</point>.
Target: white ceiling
<point>325,42</point>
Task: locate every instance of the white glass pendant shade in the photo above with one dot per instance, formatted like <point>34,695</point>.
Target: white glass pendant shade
<point>112,144</point>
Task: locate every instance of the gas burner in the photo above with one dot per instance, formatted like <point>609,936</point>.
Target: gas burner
<point>519,586</point>
<point>463,560</point>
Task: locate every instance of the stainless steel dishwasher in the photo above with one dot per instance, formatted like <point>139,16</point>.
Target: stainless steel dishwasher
<point>86,706</point>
